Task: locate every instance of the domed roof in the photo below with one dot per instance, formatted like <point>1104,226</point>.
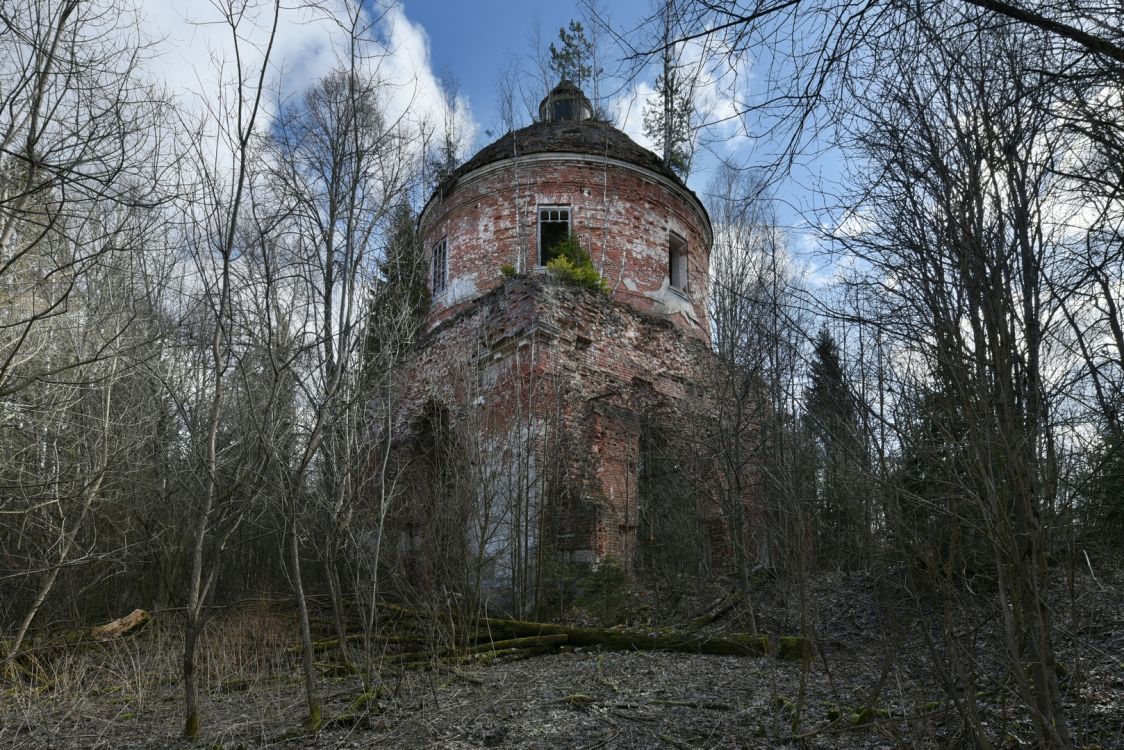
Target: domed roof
<point>566,126</point>
<point>590,136</point>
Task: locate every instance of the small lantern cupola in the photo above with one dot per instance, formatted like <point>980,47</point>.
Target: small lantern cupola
<point>565,102</point>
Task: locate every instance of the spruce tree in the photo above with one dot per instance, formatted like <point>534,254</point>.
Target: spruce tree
<point>574,59</point>
<point>832,420</point>
<point>667,117</point>
<point>400,299</point>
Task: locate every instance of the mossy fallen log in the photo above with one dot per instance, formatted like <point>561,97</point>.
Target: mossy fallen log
<point>543,643</point>
<point>868,714</point>
<point>717,611</point>
<point>614,639</point>
<point>491,630</point>
<point>530,641</point>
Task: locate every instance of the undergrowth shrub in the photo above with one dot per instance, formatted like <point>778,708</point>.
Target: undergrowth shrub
<point>607,594</point>
<point>601,591</point>
<point>572,263</point>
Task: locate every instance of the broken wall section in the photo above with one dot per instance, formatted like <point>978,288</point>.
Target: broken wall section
<point>564,405</point>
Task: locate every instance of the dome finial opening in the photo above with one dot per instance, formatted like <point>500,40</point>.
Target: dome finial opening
<point>565,102</point>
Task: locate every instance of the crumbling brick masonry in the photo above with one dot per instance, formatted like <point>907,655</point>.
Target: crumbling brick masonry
<point>552,384</point>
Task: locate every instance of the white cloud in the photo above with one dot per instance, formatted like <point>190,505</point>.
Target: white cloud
<point>717,74</point>
<point>628,111</point>
<point>855,222</point>
<point>417,92</point>
<point>195,54</point>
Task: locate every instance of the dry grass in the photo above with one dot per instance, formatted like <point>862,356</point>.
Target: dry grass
<point>60,685</point>
<point>245,645</point>
<point>127,693</point>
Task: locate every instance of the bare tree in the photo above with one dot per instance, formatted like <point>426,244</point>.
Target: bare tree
<point>77,443</point>
<point>757,316</point>
<point>962,198</point>
<point>341,167</point>
<point>226,466</point>
<point>79,135</point>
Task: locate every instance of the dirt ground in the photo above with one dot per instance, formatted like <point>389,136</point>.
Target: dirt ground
<point>127,696</point>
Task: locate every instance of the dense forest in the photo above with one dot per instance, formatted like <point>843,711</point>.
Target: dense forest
<point>206,304</point>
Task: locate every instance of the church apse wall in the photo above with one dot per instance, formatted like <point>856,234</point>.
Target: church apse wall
<point>550,393</point>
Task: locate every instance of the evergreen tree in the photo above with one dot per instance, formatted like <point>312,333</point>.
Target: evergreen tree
<point>667,117</point>
<point>930,517</point>
<point>574,58</point>
<point>832,419</point>
<point>1102,490</point>
<point>400,300</point>
<point>444,155</point>
<point>829,403</point>
<point>667,121</point>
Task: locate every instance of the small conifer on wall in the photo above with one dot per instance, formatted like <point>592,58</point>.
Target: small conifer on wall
<point>570,262</point>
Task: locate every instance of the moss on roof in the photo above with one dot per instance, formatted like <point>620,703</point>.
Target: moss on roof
<point>594,137</point>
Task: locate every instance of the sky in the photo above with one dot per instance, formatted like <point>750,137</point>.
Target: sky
<point>478,40</point>
<point>471,40</point>
<point>426,41</point>
<point>423,42</point>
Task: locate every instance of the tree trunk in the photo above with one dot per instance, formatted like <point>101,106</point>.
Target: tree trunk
<point>40,597</point>
<point>190,701</point>
<point>312,693</point>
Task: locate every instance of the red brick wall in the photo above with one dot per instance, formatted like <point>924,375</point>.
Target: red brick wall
<point>622,214</point>
<point>537,346</point>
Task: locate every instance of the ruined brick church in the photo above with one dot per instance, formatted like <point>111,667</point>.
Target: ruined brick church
<point>559,387</point>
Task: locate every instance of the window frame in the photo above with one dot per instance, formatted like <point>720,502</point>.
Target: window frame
<point>439,274</point>
<point>678,268</point>
<point>561,208</point>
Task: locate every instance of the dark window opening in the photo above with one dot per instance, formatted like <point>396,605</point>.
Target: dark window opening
<point>677,262</point>
<point>554,228</point>
<point>439,266</point>
<point>563,109</point>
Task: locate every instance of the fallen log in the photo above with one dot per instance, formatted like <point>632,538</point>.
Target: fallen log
<point>613,639</point>
<point>382,639</point>
<point>121,626</point>
<point>719,610</point>
<point>530,641</point>
<point>492,634</point>
<point>541,642</point>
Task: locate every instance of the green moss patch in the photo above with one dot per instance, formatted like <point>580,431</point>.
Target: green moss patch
<point>795,648</point>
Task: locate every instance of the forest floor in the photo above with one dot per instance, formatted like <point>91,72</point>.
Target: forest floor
<point>870,652</point>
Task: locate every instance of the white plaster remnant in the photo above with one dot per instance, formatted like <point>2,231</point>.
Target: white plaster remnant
<point>670,301</point>
<point>460,289</point>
